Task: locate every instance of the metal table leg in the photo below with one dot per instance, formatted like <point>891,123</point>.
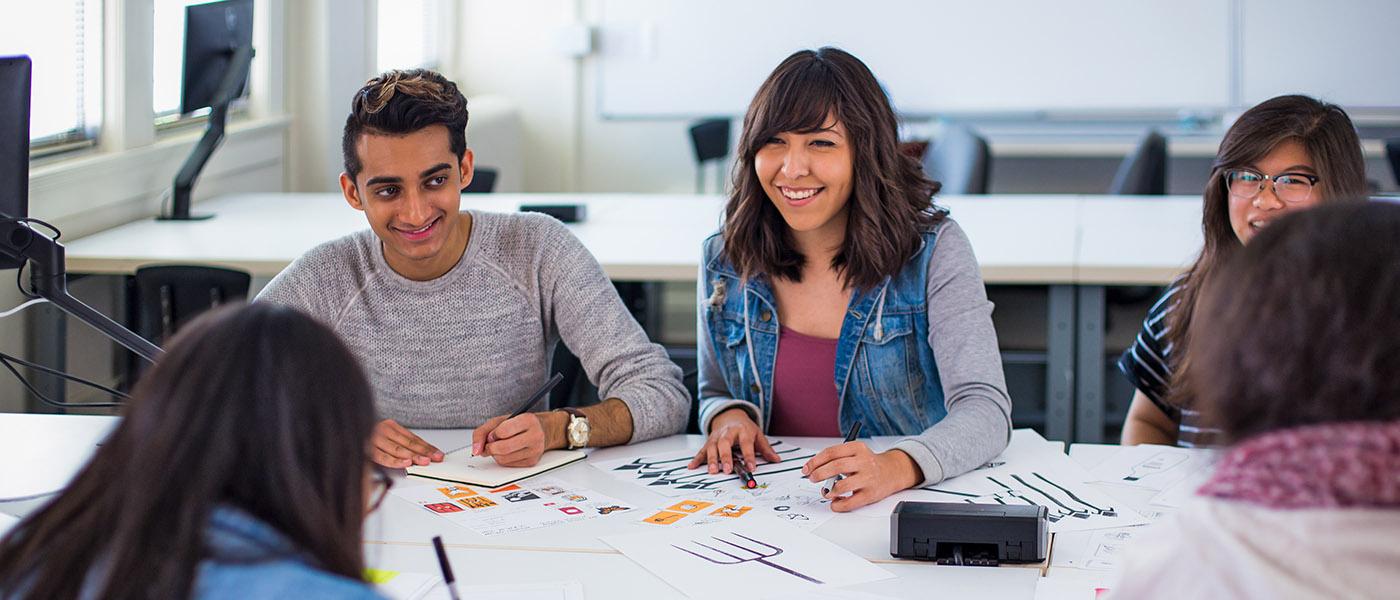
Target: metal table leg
<point>1089,366</point>
<point>1059,365</point>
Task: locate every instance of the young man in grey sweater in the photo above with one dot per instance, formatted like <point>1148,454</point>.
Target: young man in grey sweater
<point>455,314</point>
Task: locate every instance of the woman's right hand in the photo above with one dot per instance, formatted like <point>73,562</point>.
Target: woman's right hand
<point>729,430</point>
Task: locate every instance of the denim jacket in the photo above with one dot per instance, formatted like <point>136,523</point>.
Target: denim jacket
<point>250,559</point>
<point>882,361</point>
<point>946,391</point>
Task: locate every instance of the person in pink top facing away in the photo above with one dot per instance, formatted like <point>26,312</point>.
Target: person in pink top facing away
<point>1296,359</point>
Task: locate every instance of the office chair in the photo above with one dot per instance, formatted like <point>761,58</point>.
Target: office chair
<point>483,181</point>
<point>710,140</point>
<point>961,160</point>
<point>162,299</point>
<point>1392,153</point>
<point>1144,172</point>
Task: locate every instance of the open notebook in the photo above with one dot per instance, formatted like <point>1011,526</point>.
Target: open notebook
<point>459,466</point>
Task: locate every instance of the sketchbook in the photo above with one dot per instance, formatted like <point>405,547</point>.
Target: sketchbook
<point>461,467</point>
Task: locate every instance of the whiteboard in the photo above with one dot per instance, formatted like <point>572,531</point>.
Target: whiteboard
<point>1346,52</point>
<point>690,58</point>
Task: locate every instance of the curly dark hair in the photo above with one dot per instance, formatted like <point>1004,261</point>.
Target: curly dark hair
<point>891,198</point>
<point>402,102</point>
<point>1300,327</point>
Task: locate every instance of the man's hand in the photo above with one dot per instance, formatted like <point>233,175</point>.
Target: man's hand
<point>513,442</point>
<point>396,447</point>
<point>869,477</point>
<point>729,429</point>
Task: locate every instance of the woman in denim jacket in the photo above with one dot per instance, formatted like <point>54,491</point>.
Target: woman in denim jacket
<point>837,294</point>
<point>239,470</point>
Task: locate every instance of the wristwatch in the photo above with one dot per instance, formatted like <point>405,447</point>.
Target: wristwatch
<point>578,430</point>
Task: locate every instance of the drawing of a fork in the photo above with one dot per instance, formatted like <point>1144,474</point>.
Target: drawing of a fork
<point>760,556</point>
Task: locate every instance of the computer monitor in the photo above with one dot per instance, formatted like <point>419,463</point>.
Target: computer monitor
<point>218,54</point>
<point>213,33</point>
<point>14,144</point>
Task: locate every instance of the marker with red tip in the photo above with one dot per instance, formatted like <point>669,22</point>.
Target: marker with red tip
<point>745,475</point>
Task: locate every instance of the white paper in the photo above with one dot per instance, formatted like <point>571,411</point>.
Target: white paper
<point>1152,467</point>
<point>667,474</point>
<point>756,559</point>
<point>1028,472</point>
<point>421,586</point>
<point>1049,588</point>
<point>460,466</point>
<point>835,594</point>
<point>540,502</point>
<point>1098,550</point>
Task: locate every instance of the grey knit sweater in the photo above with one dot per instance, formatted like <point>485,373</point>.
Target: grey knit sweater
<point>475,342</point>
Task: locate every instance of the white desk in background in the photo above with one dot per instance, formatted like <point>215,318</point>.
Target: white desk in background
<point>1073,244</point>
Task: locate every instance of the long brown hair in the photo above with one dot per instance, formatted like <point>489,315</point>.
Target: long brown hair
<point>890,203</point>
<point>256,407</point>
<point>1300,328</point>
<point>1324,130</point>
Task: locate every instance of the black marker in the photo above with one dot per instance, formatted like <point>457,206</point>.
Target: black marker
<point>446,568</point>
<point>831,483</point>
<point>535,397</point>
<point>742,468</point>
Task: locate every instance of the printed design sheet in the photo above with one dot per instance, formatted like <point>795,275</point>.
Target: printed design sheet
<point>1029,472</point>
<point>667,475</point>
<point>1152,467</point>
<point>540,502</point>
<point>745,559</point>
<point>1098,550</point>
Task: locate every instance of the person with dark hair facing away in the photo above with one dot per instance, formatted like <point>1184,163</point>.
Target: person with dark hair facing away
<point>1297,362</point>
<point>239,470</point>
<point>456,313</point>
<point>836,293</point>
<point>1286,154</point>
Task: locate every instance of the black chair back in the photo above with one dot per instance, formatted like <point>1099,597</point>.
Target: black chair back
<point>1144,172</point>
<point>961,160</point>
<point>483,181</point>
<point>709,138</point>
<point>1392,153</point>
<point>169,296</point>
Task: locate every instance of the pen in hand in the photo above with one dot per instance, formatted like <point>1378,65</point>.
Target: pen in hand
<point>446,568</point>
<point>535,397</point>
<point>831,483</point>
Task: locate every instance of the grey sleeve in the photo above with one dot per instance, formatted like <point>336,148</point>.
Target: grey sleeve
<point>978,424</point>
<point>294,287</point>
<point>714,394</point>
<point>614,350</point>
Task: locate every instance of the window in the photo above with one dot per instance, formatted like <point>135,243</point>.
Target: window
<point>64,39</point>
<point>408,33</point>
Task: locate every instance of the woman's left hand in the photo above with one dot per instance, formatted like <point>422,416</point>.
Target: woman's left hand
<point>869,477</point>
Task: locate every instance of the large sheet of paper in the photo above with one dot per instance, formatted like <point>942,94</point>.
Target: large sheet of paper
<point>761,558</point>
<point>1029,472</point>
<point>541,502</point>
<point>1097,550</point>
<point>1152,467</point>
<point>459,466</point>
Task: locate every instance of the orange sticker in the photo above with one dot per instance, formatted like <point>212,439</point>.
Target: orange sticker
<point>454,492</point>
<point>505,489</point>
<point>665,517</point>
<point>690,506</point>
<point>732,511</point>
<point>476,502</point>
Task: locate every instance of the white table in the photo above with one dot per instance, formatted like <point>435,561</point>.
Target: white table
<point>398,536</point>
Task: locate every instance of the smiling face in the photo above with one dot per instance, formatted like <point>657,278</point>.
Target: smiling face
<point>410,191</point>
<point>808,177</point>
<point>1249,215</point>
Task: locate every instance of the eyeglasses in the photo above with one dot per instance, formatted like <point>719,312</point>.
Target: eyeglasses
<point>1291,188</point>
<point>380,481</point>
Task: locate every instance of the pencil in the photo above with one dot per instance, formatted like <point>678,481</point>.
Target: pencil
<point>446,568</point>
<point>850,437</point>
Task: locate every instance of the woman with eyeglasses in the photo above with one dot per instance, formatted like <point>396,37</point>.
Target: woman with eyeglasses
<point>239,470</point>
<point>1286,154</point>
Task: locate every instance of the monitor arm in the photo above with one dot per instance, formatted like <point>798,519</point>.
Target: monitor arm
<point>213,134</point>
<point>19,242</point>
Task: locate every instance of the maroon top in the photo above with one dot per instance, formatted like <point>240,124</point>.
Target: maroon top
<point>804,387</point>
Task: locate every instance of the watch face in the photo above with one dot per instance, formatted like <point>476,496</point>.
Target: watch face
<point>578,431</point>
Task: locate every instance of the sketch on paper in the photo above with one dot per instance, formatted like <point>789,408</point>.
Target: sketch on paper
<point>1155,468</point>
<point>1099,550</point>
<point>669,476</point>
<point>727,552</point>
<point>1035,490</point>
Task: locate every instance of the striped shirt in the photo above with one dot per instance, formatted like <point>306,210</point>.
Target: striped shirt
<point>1149,363</point>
